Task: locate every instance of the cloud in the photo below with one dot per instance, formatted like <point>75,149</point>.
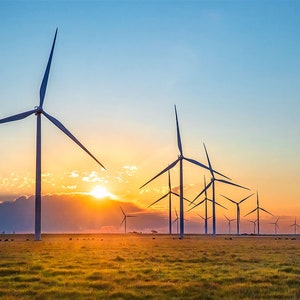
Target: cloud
<point>93,177</point>
<point>76,213</point>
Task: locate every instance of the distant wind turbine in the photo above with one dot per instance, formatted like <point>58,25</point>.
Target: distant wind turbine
<point>238,212</point>
<point>212,183</point>
<point>38,111</point>
<point>169,193</point>
<point>125,219</point>
<point>295,225</point>
<point>257,209</point>
<point>205,223</point>
<point>275,225</point>
<point>229,223</point>
<point>180,159</point>
<point>205,200</point>
<point>254,225</point>
<point>176,220</point>
<point>205,210</point>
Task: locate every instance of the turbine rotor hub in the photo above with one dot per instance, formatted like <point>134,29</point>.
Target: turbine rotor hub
<point>38,109</point>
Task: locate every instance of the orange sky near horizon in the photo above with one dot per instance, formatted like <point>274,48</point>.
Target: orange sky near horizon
<point>232,69</point>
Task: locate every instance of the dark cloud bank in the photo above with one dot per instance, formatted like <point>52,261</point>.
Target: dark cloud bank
<point>78,213</point>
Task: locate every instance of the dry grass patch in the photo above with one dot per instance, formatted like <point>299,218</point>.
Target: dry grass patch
<point>139,267</point>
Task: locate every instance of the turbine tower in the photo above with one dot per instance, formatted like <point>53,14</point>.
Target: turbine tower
<point>38,111</point>
<point>229,223</point>
<point>254,225</point>
<point>180,159</point>
<point>275,225</point>
<point>257,209</point>
<point>169,193</point>
<point>295,225</point>
<point>238,212</point>
<point>212,183</point>
<point>125,219</point>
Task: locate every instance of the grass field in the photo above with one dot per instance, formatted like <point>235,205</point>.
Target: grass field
<point>149,267</point>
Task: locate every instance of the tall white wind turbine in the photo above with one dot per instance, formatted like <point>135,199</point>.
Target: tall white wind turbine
<point>238,212</point>
<point>212,183</point>
<point>180,159</point>
<point>258,209</point>
<point>38,111</point>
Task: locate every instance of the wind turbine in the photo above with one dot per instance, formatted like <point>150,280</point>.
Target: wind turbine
<point>275,225</point>
<point>205,200</point>
<point>38,111</point>
<point>205,203</point>
<point>257,209</point>
<point>169,193</point>
<point>212,183</point>
<point>176,219</point>
<point>295,226</point>
<point>254,225</point>
<point>125,219</point>
<point>238,212</point>
<point>229,223</point>
<point>180,159</point>
<point>205,223</point>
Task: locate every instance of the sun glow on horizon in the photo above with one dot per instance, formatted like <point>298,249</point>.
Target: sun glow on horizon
<point>101,192</point>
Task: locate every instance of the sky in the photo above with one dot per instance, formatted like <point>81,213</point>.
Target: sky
<point>231,67</point>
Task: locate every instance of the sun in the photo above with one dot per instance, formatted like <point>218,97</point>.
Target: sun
<point>100,192</point>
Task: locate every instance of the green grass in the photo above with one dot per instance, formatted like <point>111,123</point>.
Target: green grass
<point>144,267</point>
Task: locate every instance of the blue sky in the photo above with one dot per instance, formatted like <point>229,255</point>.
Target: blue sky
<point>231,67</point>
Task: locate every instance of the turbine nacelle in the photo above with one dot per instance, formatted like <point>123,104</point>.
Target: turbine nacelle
<point>38,110</point>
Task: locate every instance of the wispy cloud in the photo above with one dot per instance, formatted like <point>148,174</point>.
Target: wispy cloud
<point>126,171</point>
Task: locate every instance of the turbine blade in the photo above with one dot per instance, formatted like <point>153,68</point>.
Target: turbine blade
<point>231,183</point>
<point>169,180</point>
<point>205,188</point>
<point>210,167</point>
<point>179,197</point>
<point>123,212</point>
<point>194,206</point>
<point>123,221</point>
<point>219,204</point>
<point>46,75</point>
<point>18,116</point>
<point>158,200</point>
<point>163,171</point>
<point>201,217</point>
<point>246,198</point>
<point>71,136</point>
<point>205,192</point>
<point>178,132</point>
<point>266,211</point>
<point>195,162</point>
<point>202,202</point>
<point>251,212</point>
<point>229,199</point>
